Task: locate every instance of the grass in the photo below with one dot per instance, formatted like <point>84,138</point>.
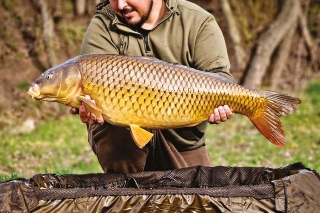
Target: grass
<point>56,146</point>
<point>60,146</point>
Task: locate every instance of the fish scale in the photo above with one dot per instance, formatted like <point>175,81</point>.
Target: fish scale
<point>143,92</point>
<point>164,82</point>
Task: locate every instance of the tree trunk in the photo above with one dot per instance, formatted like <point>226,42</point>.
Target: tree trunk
<point>80,7</point>
<point>297,70</point>
<point>268,42</point>
<point>48,33</point>
<point>91,6</point>
<point>280,58</point>
<point>239,53</point>
<point>57,10</point>
<point>311,45</point>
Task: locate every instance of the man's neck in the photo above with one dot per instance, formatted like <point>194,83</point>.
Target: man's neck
<point>155,15</point>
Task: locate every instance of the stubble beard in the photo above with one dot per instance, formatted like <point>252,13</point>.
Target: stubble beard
<point>143,18</point>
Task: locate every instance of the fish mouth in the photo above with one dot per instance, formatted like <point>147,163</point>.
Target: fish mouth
<point>34,92</point>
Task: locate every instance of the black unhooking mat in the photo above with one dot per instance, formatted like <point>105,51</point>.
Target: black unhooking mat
<point>292,188</point>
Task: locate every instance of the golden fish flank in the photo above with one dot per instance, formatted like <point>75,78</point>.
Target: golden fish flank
<point>149,93</point>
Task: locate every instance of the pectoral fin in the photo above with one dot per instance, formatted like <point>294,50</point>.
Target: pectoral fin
<point>92,107</point>
<point>140,136</point>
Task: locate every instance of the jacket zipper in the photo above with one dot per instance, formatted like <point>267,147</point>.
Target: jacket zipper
<point>146,43</point>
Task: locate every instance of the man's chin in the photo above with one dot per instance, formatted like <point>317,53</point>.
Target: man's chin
<point>130,21</point>
<point>134,24</point>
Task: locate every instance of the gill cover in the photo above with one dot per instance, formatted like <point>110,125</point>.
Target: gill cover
<point>58,84</point>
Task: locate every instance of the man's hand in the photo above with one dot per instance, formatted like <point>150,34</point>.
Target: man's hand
<point>220,114</point>
<point>87,116</point>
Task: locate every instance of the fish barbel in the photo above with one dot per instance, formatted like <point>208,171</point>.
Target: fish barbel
<point>147,93</point>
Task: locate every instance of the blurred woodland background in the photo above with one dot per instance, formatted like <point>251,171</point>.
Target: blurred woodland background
<point>272,44</point>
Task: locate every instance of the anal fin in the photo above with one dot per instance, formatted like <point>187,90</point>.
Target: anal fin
<point>140,136</point>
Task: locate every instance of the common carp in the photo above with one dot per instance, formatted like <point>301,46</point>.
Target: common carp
<point>147,93</point>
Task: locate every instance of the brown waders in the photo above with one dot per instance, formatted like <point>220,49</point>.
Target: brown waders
<point>116,151</point>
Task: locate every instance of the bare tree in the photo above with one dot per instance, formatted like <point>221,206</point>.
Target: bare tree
<point>48,32</point>
<point>310,43</point>
<point>269,41</point>
<point>239,53</point>
<point>80,7</point>
<point>281,56</point>
<point>85,6</point>
<point>91,7</point>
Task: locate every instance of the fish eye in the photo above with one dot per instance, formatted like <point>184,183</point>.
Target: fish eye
<point>49,76</point>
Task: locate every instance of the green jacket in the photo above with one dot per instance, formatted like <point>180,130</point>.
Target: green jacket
<point>187,35</point>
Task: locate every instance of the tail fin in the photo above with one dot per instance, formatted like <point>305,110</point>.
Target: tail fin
<point>268,123</point>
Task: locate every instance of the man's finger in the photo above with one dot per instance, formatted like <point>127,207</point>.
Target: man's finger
<point>74,111</point>
<point>211,119</point>
<point>83,114</point>
<point>100,120</point>
<point>222,113</point>
<point>228,111</point>
<point>216,116</point>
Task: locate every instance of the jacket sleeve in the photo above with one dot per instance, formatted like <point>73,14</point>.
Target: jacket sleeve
<point>210,51</point>
<point>97,38</point>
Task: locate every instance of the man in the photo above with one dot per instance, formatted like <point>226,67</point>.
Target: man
<point>175,31</point>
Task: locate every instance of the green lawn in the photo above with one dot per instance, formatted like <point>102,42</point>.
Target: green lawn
<point>60,146</point>
<point>56,146</point>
